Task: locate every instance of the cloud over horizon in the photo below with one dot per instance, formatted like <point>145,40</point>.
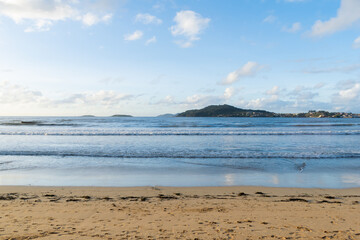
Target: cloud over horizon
<point>15,95</point>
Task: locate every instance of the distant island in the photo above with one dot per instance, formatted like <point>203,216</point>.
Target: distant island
<point>121,115</point>
<point>231,111</point>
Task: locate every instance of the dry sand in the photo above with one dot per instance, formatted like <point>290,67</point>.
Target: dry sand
<point>178,213</point>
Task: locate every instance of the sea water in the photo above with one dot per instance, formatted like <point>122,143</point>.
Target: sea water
<point>149,151</point>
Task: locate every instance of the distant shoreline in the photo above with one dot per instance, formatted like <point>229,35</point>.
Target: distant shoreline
<point>231,111</point>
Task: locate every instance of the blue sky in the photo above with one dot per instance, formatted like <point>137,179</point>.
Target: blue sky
<point>148,57</point>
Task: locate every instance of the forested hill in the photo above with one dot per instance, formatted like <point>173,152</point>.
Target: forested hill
<point>225,111</point>
<point>231,111</point>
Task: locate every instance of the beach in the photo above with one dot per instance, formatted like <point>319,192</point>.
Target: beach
<point>178,213</point>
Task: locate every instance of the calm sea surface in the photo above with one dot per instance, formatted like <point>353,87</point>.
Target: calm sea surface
<point>109,151</point>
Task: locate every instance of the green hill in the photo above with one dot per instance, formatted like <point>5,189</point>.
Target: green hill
<point>225,111</point>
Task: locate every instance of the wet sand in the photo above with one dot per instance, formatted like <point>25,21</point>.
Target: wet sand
<point>178,213</point>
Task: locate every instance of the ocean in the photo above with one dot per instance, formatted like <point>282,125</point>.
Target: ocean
<point>155,151</point>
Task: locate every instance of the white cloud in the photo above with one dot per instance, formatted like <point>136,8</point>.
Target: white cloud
<point>151,40</point>
<point>248,70</point>
<point>146,18</point>
<point>274,91</point>
<point>107,17</point>
<point>40,26</point>
<point>40,15</point>
<point>347,15</point>
<point>276,99</point>
<point>270,19</point>
<point>356,43</point>
<point>229,92</point>
<point>295,27</point>
<point>271,99</point>
<point>20,10</point>
<point>190,25</point>
<point>14,94</point>
<point>350,93</point>
<point>134,36</point>
<point>199,100</point>
<point>102,97</point>
<point>348,97</point>
<point>276,104</point>
<point>90,19</point>
<point>303,94</point>
<point>260,103</point>
<point>168,100</point>
<point>184,44</point>
<point>194,98</point>
<point>202,100</point>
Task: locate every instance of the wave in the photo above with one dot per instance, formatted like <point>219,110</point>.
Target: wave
<point>184,155</point>
<point>241,123</point>
<point>6,162</point>
<point>16,123</point>
<point>326,125</point>
<point>250,125</point>
<point>177,133</point>
<point>36,123</point>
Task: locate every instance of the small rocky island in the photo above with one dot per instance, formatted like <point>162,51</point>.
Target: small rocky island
<point>231,111</point>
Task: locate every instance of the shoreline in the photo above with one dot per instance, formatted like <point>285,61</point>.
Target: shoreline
<point>237,212</point>
<point>209,188</point>
<point>198,190</point>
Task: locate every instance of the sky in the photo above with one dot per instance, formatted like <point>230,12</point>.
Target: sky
<point>150,57</point>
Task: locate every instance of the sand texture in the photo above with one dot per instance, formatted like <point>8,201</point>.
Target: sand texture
<point>178,213</point>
